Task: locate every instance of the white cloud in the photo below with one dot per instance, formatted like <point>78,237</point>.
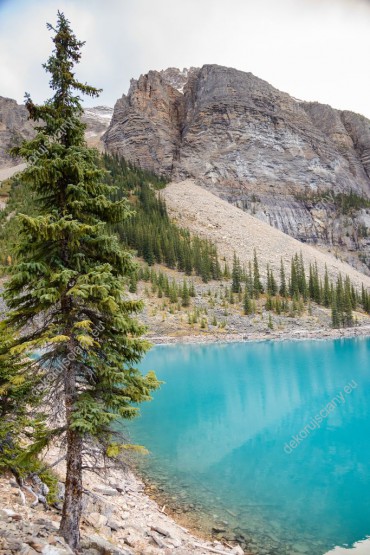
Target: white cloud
<point>313,49</point>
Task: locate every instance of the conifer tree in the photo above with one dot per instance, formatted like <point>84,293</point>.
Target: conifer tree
<point>283,287</point>
<point>270,323</point>
<point>236,275</point>
<point>294,281</point>
<point>185,294</point>
<point>68,288</point>
<point>347,304</point>
<point>257,285</point>
<point>192,290</point>
<point>247,303</point>
<point>326,290</point>
<point>271,282</point>
<point>249,279</point>
<point>335,321</point>
<point>226,272</point>
<point>22,425</point>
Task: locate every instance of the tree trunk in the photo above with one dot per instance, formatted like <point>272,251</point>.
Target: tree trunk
<point>72,507</point>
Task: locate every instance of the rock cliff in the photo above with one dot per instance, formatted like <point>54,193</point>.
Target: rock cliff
<point>15,126</point>
<point>257,147</point>
<point>229,128</point>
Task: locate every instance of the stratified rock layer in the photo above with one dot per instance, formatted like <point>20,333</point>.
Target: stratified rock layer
<point>251,144</point>
<point>231,129</point>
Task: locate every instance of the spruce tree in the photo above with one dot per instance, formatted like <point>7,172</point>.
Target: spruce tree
<point>347,304</point>
<point>67,291</point>
<point>249,279</point>
<point>257,285</point>
<point>294,280</point>
<point>22,424</point>
<point>185,294</point>
<point>247,303</point>
<point>283,287</point>
<point>326,290</point>
<point>335,320</point>
<point>236,275</point>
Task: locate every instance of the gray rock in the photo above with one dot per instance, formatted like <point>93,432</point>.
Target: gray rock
<point>96,520</point>
<point>251,144</point>
<point>14,126</point>
<point>113,525</point>
<point>106,490</point>
<point>161,531</point>
<point>53,550</point>
<point>103,547</point>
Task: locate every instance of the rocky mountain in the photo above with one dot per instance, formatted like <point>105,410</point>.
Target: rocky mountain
<point>15,126</point>
<point>97,120</point>
<point>290,163</point>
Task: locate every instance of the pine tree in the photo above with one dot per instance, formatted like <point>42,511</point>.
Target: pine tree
<point>69,282</point>
<point>302,284</point>
<point>283,287</point>
<point>340,302</point>
<point>271,282</point>
<point>173,293</point>
<point>326,290</point>
<point>269,303</point>
<point>185,294</point>
<point>249,279</point>
<point>335,320</point>
<point>257,285</point>
<point>365,299</point>
<point>270,323</point>
<point>192,290</point>
<point>236,275</point>
<point>226,272</point>
<point>21,425</point>
<point>247,303</point>
<point>294,282</point>
<point>347,304</point>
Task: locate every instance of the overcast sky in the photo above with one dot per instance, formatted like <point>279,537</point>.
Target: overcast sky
<point>312,49</point>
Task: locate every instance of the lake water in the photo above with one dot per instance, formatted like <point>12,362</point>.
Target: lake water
<point>269,442</point>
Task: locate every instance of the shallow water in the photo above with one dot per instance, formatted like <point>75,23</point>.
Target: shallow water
<point>219,433</point>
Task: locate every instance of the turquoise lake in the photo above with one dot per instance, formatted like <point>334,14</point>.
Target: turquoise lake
<point>268,441</point>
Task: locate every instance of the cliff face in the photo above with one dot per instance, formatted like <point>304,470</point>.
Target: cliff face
<point>14,127</point>
<point>146,124</point>
<point>253,145</point>
<point>230,128</point>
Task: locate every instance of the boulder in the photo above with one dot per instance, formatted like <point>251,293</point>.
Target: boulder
<point>103,547</point>
<point>106,490</point>
<point>96,520</point>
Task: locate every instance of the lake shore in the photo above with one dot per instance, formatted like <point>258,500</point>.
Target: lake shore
<point>121,509</point>
<point>273,335</point>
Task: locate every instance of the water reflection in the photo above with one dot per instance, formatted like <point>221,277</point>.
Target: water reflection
<point>226,412</point>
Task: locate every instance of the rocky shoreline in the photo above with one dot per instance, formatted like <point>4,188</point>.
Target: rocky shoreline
<point>278,335</point>
<point>119,518</point>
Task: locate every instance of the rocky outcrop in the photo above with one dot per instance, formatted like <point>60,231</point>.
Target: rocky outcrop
<point>249,143</point>
<point>14,127</point>
<point>231,129</point>
<point>97,120</point>
<point>126,523</point>
<point>146,124</point>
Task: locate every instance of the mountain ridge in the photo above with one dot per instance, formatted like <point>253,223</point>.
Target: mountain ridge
<point>264,151</point>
